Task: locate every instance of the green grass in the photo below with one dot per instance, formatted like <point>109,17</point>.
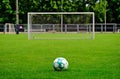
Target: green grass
<point>68,35</point>
<point>32,59</point>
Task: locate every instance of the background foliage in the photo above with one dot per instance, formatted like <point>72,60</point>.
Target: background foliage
<point>111,7</point>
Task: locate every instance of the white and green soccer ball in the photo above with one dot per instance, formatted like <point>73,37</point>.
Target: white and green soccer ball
<point>60,63</point>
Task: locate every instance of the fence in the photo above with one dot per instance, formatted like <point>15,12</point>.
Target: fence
<point>99,27</point>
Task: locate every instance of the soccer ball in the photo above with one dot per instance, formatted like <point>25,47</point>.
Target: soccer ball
<point>60,63</point>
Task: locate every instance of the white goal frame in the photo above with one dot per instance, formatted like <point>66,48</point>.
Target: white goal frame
<point>9,28</point>
<point>61,13</point>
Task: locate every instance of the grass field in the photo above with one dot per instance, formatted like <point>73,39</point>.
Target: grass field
<point>21,58</point>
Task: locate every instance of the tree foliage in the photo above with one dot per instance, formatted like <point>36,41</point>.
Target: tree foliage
<point>5,11</point>
<point>113,12</point>
<point>100,7</point>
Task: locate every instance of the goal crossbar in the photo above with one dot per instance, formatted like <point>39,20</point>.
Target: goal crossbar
<point>60,13</point>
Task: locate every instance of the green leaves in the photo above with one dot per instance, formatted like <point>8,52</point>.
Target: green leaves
<point>100,9</point>
<point>6,11</point>
<point>110,7</point>
<point>5,1</point>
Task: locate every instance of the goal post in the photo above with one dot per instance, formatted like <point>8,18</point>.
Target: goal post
<point>61,25</point>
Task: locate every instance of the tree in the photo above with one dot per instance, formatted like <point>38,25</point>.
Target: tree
<point>113,11</point>
<point>100,10</point>
<point>6,11</point>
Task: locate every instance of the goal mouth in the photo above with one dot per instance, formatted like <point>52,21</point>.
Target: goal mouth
<point>61,25</point>
<point>9,28</point>
<point>57,36</point>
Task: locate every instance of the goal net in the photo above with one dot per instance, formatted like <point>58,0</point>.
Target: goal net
<point>9,28</point>
<point>61,25</point>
